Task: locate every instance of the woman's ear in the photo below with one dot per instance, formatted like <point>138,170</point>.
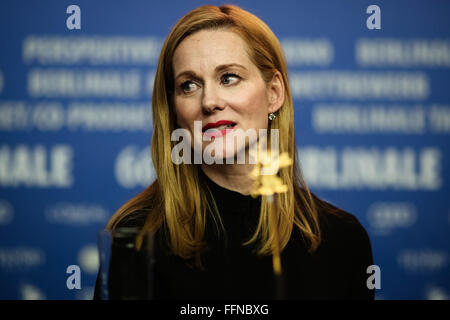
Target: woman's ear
<point>276,92</point>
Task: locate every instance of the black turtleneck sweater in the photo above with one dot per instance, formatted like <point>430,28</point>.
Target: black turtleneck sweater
<point>337,270</point>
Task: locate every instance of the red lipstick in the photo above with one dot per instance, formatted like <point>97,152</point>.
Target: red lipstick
<point>218,133</point>
<point>216,124</point>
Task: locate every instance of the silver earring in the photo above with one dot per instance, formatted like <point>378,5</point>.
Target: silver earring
<point>272,116</point>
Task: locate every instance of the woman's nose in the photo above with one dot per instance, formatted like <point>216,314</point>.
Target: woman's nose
<point>211,100</point>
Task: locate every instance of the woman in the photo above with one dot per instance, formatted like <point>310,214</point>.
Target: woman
<point>223,68</point>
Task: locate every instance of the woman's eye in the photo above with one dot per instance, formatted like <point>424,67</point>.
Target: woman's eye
<point>187,86</point>
<point>227,76</point>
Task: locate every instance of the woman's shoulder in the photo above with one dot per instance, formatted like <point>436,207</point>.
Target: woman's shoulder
<point>344,250</point>
<point>135,211</point>
<point>134,219</point>
<point>339,225</point>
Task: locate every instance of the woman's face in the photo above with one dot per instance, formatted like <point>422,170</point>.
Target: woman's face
<point>216,81</point>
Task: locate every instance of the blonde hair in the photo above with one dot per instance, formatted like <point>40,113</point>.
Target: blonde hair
<point>177,201</point>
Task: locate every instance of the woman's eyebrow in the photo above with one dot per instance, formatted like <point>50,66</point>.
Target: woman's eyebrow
<point>189,73</point>
<point>226,66</point>
<point>218,69</point>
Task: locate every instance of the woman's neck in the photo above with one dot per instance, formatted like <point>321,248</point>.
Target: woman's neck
<point>234,177</point>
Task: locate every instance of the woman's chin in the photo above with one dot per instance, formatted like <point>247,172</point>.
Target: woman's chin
<point>225,155</point>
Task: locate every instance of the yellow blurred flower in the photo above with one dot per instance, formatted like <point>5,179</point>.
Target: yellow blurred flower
<point>264,173</point>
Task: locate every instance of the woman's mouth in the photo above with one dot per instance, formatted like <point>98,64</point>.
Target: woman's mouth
<point>220,130</point>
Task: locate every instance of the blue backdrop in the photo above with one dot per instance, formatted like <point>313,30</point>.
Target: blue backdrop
<point>372,119</point>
